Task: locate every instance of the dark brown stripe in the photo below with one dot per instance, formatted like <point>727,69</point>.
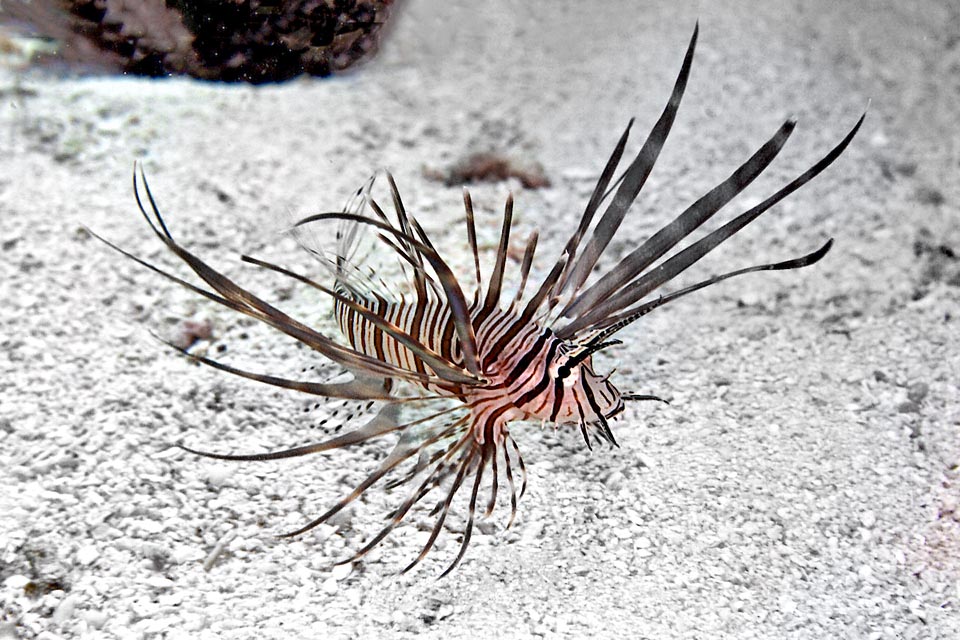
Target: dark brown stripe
<point>541,386</point>
<point>557,398</point>
<point>528,357</point>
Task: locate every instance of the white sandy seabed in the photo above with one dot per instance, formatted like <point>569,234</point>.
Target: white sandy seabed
<point>803,482</point>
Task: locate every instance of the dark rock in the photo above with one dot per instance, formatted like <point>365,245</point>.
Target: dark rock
<point>252,41</point>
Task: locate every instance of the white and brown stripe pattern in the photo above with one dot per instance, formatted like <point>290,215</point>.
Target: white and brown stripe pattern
<point>490,364</point>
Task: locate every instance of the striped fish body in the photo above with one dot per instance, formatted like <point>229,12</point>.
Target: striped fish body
<point>521,363</point>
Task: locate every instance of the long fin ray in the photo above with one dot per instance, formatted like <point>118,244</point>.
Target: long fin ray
<point>676,264</point>
<point>465,466</point>
<point>596,198</point>
<point>634,178</point>
<point>527,262</point>
<point>471,511</point>
<point>620,321</point>
<point>496,278</point>
<point>440,366</point>
<point>454,294</point>
<point>472,235</point>
<point>353,390</point>
<point>694,216</point>
<point>435,476</point>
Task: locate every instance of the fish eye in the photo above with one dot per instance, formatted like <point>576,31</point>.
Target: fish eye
<point>561,370</point>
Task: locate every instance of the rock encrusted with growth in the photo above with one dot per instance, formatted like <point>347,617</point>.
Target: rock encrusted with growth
<point>253,41</point>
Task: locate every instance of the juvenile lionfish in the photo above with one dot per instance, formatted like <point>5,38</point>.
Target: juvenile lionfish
<point>492,364</point>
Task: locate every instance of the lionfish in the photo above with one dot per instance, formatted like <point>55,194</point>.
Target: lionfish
<point>492,363</point>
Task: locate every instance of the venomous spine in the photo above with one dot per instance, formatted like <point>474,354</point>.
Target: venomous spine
<point>478,363</point>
